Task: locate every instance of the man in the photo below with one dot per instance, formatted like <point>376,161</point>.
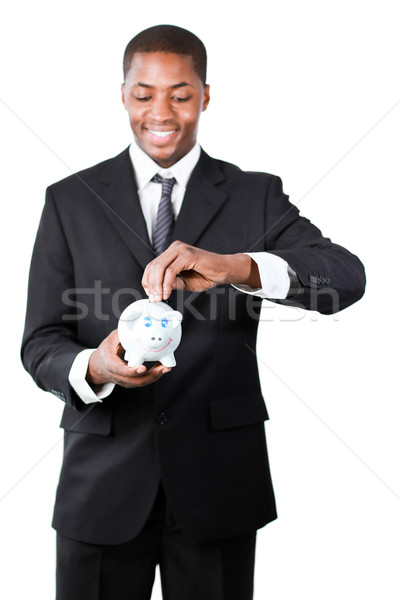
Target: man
<point>165,465</point>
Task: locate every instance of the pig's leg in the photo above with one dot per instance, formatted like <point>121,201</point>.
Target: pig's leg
<point>134,360</point>
<point>168,360</point>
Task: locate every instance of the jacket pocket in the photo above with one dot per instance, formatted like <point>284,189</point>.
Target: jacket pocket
<point>238,411</point>
<point>95,418</point>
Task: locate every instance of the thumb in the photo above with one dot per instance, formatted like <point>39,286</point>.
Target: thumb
<point>179,283</point>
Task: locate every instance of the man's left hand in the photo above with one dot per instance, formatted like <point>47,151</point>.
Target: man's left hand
<point>184,267</point>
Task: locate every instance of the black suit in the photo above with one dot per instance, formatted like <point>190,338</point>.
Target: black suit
<point>201,427</point>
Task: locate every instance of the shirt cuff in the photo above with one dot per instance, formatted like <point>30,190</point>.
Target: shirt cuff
<point>77,379</point>
<point>274,275</point>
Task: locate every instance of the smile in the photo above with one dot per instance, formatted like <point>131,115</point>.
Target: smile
<point>161,134</point>
<point>151,349</point>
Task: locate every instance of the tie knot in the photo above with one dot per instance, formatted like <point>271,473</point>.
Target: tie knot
<point>167,182</point>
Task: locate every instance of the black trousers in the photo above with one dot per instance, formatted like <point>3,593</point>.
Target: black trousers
<point>189,570</point>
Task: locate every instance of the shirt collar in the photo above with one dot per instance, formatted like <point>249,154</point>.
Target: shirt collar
<point>145,167</point>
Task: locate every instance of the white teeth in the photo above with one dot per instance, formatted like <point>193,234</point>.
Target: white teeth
<point>161,134</point>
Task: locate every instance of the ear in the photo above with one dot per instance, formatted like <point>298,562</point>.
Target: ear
<point>132,312</point>
<point>123,93</point>
<point>175,317</point>
<point>206,97</point>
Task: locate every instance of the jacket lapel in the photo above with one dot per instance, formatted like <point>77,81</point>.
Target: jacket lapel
<point>202,200</point>
<point>121,203</point>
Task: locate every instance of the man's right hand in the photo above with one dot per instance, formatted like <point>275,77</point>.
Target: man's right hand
<point>106,365</point>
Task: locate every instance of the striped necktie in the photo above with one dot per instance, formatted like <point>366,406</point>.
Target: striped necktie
<point>165,214</point>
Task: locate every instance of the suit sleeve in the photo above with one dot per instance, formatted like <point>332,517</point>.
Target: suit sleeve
<point>330,277</point>
<point>50,343</point>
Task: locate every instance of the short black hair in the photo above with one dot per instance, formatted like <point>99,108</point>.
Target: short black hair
<point>168,38</point>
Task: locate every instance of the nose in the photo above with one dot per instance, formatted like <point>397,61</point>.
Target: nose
<point>161,109</point>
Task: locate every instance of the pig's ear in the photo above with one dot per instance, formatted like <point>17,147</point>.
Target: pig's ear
<point>175,317</point>
<point>131,313</point>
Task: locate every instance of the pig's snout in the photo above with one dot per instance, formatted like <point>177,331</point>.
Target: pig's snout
<point>154,341</point>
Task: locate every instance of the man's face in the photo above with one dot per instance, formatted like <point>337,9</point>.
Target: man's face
<point>164,97</point>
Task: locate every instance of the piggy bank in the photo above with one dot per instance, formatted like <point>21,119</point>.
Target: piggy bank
<point>150,332</point>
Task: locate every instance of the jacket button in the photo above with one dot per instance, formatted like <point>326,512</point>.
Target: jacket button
<point>162,418</point>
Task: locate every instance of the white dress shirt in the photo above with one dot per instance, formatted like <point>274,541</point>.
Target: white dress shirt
<point>274,271</point>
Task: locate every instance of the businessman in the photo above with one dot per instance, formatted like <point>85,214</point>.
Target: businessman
<point>167,466</point>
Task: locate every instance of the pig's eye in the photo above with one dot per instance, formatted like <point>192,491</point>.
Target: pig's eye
<point>147,321</point>
<point>164,322</point>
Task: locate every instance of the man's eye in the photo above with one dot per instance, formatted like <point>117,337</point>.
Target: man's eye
<point>179,99</point>
<point>142,98</point>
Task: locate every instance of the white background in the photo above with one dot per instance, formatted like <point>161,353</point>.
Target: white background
<point>306,90</point>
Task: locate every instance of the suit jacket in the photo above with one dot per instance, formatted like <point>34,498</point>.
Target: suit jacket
<point>200,428</point>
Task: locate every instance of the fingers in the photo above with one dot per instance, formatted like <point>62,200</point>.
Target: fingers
<point>129,377</point>
<point>161,275</point>
<point>106,365</point>
<point>158,278</point>
<point>141,379</point>
<point>118,369</point>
